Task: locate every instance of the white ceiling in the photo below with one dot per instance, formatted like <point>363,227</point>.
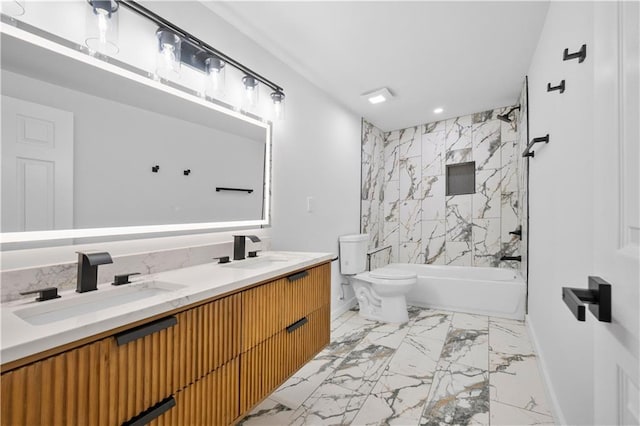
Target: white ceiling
<point>462,56</point>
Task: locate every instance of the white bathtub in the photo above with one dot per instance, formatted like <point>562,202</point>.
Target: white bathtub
<point>477,290</point>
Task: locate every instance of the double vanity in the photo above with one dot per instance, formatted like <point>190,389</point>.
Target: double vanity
<point>197,345</point>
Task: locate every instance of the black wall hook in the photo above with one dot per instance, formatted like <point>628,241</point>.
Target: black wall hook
<point>559,87</point>
<point>580,55</point>
<point>155,168</point>
<point>187,172</point>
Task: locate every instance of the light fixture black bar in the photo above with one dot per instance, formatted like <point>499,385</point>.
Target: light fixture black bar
<point>143,11</point>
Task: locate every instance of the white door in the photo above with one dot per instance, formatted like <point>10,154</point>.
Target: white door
<point>37,167</point>
<point>616,209</point>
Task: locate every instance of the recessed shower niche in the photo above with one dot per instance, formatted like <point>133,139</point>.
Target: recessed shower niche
<point>461,178</point>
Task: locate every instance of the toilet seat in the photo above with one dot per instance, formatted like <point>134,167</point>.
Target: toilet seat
<point>388,276</point>
<point>392,274</point>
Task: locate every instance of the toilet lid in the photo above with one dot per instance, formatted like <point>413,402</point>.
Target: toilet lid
<point>392,274</point>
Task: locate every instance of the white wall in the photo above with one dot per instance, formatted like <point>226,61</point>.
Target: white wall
<point>560,202</point>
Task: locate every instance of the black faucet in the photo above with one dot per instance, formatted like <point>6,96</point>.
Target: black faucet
<point>238,245</point>
<point>516,258</point>
<point>88,270</point>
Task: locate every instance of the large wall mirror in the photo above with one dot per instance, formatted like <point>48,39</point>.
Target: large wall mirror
<point>91,148</point>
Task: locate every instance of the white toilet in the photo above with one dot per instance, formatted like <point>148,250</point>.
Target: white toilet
<point>381,292</point>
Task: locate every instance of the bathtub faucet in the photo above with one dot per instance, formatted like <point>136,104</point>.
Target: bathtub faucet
<point>516,258</point>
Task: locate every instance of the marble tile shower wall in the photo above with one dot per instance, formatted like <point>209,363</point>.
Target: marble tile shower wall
<point>403,192</point>
<point>523,141</point>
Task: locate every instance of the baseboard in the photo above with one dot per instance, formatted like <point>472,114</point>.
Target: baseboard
<point>544,373</point>
<point>344,307</point>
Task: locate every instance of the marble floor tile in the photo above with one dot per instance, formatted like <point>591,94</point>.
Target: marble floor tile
<point>509,336</point>
<point>507,415</point>
<point>305,381</point>
<point>361,368</point>
<point>330,404</point>
<point>268,412</point>
<point>514,380</point>
<point>438,368</point>
<point>458,396</point>
<point>431,323</point>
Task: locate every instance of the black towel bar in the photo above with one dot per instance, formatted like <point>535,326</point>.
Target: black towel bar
<point>220,188</point>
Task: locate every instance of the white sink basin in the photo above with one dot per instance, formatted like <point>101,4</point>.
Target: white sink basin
<point>62,309</point>
<point>258,262</point>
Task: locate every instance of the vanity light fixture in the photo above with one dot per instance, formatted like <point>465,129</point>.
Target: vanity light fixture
<point>378,96</point>
<point>102,26</point>
<point>278,104</point>
<point>176,46</point>
<point>169,52</point>
<point>251,92</point>
<point>438,110</point>
<point>215,69</point>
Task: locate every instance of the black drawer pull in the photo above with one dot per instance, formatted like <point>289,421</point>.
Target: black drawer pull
<point>145,330</point>
<point>297,276</point>
<point>152,413</point>
<point>296,325</point>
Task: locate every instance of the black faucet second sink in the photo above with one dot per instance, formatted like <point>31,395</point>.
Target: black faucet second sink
<point>239,245</point>
<point>88,270</point>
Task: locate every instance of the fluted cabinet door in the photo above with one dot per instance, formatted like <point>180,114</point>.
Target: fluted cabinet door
<point>267,365</point>
<point>212,400</point>
<point>107,383</point>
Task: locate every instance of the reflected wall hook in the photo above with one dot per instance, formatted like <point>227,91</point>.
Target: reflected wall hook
<point>559,87</point>
<point>598,296</point>
<point>155,168</point>
<point>580,55</point>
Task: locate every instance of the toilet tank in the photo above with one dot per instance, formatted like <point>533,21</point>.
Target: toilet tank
<point>353,253</point>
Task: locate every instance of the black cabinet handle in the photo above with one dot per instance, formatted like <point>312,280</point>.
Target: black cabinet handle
<point>152,413</point>
<point>145,330</point>
<point>296,325</point>
<point>598,296</point>
<point>297,276</point>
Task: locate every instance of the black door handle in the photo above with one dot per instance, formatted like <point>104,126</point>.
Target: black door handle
<point>145,330</point>
<point>152,413</point>
<point>297,276</point>
<point>598,296</point>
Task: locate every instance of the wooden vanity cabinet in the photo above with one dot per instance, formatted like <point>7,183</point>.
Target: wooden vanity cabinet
<point>207,364</point>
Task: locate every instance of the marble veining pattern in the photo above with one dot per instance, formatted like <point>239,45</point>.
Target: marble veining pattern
<point>404,201</point>
<point>440,368</point>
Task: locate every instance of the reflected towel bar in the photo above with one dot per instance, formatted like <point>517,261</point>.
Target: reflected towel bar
<point>220,188</point>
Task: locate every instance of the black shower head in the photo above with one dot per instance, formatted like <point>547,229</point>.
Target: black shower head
<point>505,117</point>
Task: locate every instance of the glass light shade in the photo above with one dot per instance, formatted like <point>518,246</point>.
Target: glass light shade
<point>215,80</point>
<point>168,57</point>
<point>250,96</point>
<point>278,105</point>
<point>102,26</point>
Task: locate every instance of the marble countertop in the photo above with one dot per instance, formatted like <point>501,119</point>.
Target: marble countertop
<point>188,285</point>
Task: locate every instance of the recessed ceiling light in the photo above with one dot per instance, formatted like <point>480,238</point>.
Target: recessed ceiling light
<point>378,96</point>
<point>438,110</point>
